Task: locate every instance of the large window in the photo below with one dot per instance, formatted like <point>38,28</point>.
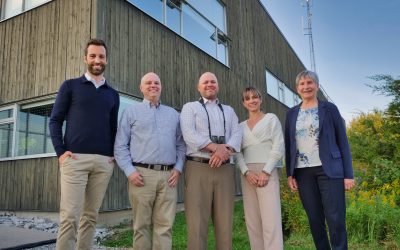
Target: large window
<point>203,23</point>
<point>10,8</point>
<point>33,129</point>
<point>24,128</point>
<point>153,8</point>
<point>279,90</point>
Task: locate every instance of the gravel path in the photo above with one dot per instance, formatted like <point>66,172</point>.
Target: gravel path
<point>46,225</point>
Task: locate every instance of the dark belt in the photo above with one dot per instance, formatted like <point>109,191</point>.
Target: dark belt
<point>158,167</point>
<point>201,159</point>
<point>198,159</point>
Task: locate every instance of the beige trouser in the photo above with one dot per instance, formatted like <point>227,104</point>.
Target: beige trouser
<point>262,209</point>
<point>209,192</point>
<point>153,207</point>
<point>84,182</point>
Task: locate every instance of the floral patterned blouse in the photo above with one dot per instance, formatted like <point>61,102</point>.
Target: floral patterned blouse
<point>307,133</point>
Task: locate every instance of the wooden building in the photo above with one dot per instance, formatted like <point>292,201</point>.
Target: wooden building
<point>41,45</point>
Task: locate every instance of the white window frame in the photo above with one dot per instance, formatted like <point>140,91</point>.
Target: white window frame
<point>37,103</point>
<point>281,91</point>
<point>11,120</point>
<point>31,105</point>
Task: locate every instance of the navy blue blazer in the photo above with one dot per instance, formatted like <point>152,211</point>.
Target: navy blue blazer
<point>334,149</point>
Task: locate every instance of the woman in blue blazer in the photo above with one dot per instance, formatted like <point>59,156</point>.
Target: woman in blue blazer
<point>318,162</point>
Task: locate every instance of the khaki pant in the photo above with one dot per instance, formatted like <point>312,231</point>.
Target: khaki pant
<point>209,192</point>
<point>83,184</point>
<point>153,208</point>
<point>262,209</point>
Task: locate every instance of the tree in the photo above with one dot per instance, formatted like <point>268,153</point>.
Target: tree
<point>388,86</point>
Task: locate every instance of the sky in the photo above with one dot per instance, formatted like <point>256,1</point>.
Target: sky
<point>353,39</point>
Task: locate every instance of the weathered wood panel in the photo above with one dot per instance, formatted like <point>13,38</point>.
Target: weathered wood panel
<point>42,47</point>
<point>34,184</point>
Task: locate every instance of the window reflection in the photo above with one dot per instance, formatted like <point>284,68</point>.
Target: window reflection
<point>280,91</point>
<point>198,31</point>
<point>12,8</point>
<point>213,10</point>
<point>154,8</point>
<point>197,21</point>
<point>29,4</point>
<point>173,18</point>
<point>272,85</point>
<point>8,113</point>
<point>221,53</point>
<point>15,7</point>
<point>289,101</point>
<point>6,139</point>
<point>33,130</point>
<point>125,102</point>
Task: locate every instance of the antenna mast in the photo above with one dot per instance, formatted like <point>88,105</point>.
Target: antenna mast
<point>308,32</point>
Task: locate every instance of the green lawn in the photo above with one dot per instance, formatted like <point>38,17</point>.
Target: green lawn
<point>123,236</point>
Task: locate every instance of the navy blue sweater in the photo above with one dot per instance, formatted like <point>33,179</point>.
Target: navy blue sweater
<point>91,118</point>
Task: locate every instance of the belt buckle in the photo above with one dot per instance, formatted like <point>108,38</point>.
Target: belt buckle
<point>157,167</point>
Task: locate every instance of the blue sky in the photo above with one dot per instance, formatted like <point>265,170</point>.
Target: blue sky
<point>353,39</point>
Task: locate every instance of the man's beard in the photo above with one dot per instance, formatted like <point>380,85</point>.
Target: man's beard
<point>96,72</point>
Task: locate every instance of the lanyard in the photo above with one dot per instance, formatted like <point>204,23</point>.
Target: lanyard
<point>208,117</point>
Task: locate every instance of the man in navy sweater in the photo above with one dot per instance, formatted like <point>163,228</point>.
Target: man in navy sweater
<point>90,108</point>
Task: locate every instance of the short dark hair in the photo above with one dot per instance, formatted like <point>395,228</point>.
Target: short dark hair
<point>97,42</point>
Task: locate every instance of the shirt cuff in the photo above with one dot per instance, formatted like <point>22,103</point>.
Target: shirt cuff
<point>129,170</point>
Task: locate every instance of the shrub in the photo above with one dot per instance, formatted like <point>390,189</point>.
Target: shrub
<point>294,218</point>
<point>373,215</point>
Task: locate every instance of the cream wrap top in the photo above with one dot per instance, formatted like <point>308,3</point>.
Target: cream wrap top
<point>263,144</point>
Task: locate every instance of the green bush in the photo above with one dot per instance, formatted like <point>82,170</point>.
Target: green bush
<point>294,218</point>
<point>373,220</point>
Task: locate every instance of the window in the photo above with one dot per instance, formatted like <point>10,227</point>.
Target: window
<point>6,131</point>
<point>173,16</point>
<point>272,85</point>
<point>124,102</point>
<point>213,10</point>
<point>14,7</point>
<point>24,128</point>
<point>33,129</point>
<point>198,31</point>
<point>296,99</point>
<point>200,22</point>
<point>280,91</point>
<point>153,8</point>
<point>288,94</point>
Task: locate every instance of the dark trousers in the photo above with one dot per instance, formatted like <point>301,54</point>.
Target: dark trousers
<point>323,199</point>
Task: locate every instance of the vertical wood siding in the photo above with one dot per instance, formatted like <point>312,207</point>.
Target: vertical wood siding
<point>44,46</point>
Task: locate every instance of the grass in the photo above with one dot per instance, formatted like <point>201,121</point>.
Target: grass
<point>123,236</point>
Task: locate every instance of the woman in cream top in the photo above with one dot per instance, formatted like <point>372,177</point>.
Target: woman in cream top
<point>261,154</point>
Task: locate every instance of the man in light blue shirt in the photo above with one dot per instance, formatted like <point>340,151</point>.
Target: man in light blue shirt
<point>149,148</point>
<point>212,134</point>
